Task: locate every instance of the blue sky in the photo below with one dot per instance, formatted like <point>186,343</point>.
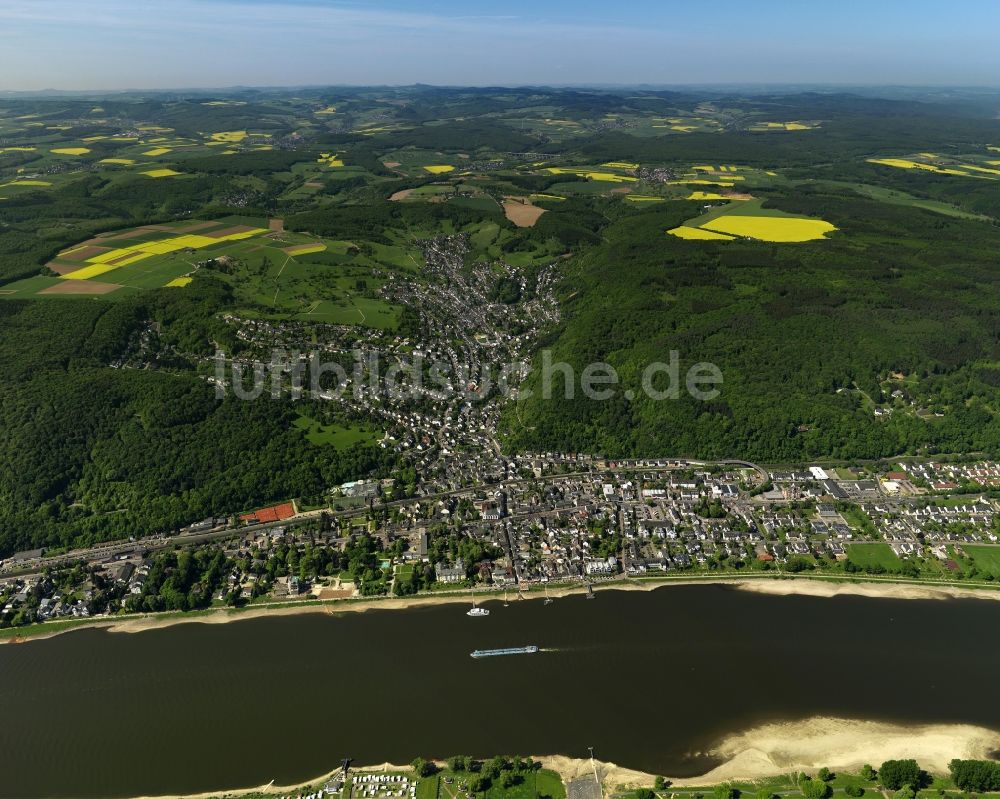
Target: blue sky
<point>114,44</point>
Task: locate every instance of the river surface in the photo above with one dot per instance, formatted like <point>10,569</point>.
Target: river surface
<point>648,679</point>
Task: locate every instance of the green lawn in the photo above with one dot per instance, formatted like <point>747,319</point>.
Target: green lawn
<point>987,558</point>
<point>334,435</point>
<point>858,519</point>
<point>427,788</point>
<point>535,785</point>
<point>549,783</point>
<point>874,554</point>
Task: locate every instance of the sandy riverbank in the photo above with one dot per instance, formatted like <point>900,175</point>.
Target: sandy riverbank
<point>778,586</point>
<point>820,587</point>
<point>766,751</point>
<point>847,744</point>
<point>782,748</point>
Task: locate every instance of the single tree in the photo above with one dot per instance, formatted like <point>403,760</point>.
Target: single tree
<point>894,774</point>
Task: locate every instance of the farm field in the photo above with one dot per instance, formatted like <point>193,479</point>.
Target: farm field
<point>770,127</point>
<point>749,219</point>
<point>965,167</point>
<point>139,258</point>
<point>274,274</point>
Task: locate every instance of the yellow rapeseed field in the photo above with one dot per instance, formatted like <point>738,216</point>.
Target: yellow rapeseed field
<point>27,183</point>
<point>310,250</point>
<point>178,282</point>
<point>685,232</point>
<point>230,136</point>
<point>331,160</point>
<point>706,195</point>
<point>723,183</point>
<point>905,163</point>
<point>439,169</point>
<point>112,255</point>
<point>70,151</point>
<point>89,272</point>
<point>161,173</point>
<point>783,126</point>
<point>123,256</point>
<point>157,151</point>
<point>982,169</point>
<point>609,177</point>
<point>770,228</point>
<point>120,161</point>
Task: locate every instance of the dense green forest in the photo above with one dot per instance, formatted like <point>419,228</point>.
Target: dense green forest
<point>799,332</point>
<point>89,453</point>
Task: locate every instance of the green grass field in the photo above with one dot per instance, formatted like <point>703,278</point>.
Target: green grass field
<point>986,558</point>
<point>897,197</point>
<point>540,784</point>
<point>873,554</point>
<point>334,435</point>
<point>858,519</point>
<point>427,788</point>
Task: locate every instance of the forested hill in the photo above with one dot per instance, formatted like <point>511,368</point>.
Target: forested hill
<point>89,453</point>
<point>806,336</point>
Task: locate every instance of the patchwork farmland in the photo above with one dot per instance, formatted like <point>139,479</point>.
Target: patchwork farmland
<point>274,273</point>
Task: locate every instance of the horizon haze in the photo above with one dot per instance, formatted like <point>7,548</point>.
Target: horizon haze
<point>114,45</point>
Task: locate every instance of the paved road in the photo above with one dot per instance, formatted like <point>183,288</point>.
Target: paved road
<point>583,788</point>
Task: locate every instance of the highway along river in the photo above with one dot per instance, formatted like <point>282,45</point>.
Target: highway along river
<point>644,678</point>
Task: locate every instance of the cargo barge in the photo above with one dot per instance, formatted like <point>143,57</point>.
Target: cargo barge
<point>516,650</point>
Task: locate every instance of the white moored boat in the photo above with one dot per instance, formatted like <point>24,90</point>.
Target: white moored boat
<point>475,610</point>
